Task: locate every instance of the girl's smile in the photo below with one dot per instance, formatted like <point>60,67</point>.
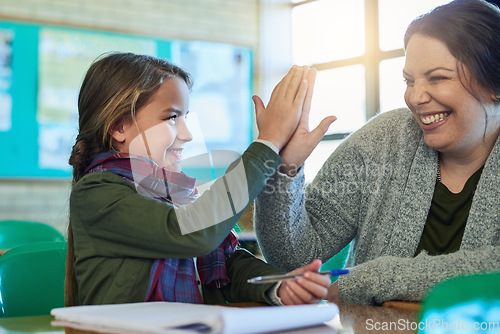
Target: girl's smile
<point>176,152</point>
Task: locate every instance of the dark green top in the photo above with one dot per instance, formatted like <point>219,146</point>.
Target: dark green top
<point>118,233</point>
<point>445,225</point>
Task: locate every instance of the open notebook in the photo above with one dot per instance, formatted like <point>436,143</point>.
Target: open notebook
<point>165,317</point>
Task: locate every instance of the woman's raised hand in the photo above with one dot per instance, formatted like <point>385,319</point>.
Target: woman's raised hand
<point>303,141</point>
<point>278,121</point>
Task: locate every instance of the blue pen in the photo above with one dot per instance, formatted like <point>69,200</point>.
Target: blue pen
<point>277,278</point>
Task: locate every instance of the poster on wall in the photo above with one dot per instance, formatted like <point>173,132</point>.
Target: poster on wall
<point>64,57</point>
<point>6,40</point>
<point>41,71</point>
<point>221,94</point>
<point>220,103</point>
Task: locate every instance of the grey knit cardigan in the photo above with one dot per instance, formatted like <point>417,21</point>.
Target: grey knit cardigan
<point>376,190</point>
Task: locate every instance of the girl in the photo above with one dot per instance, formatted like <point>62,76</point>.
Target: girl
<point>139,230</point>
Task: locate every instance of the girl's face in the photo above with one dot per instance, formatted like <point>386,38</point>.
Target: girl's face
<point>161,130</point>
<point>451,119</point>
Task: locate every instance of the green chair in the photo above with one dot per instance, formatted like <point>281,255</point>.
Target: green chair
<point>337,261</point>
<point>32,279</point>
<point>14,233</point>
<point>467,304</point>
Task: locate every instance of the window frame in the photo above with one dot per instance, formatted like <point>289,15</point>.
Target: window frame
<point>371,59</point>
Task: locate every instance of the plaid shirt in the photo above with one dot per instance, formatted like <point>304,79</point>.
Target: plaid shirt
<point>171,280</point>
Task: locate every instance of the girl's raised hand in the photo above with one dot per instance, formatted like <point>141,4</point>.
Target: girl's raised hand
<point>278,121</point>
<point>311,288</point>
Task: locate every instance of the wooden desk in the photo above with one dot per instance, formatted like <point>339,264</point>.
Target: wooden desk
<point>354,319</point>
<point>374,319</point>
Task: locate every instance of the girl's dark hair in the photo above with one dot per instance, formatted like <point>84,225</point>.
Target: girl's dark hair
<point>115,87</point>
<point>471,31</point>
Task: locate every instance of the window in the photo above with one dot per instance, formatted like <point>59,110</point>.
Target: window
<point>357,48</point>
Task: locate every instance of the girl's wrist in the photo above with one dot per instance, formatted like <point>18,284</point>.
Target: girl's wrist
<point>289,169</point>
<point>277,143</point>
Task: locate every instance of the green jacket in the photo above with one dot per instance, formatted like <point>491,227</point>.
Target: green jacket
<point>118,233</point>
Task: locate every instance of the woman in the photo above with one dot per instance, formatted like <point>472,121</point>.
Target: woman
<point>417,192</point>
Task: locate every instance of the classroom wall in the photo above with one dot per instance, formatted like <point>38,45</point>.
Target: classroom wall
<point>228,21</point>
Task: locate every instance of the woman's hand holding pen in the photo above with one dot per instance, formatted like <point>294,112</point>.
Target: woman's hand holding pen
<point>311,288</point>
<point>278,121</point>
<point>303,141</point>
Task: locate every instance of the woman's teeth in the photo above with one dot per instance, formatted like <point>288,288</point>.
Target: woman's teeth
<point>433,118</point>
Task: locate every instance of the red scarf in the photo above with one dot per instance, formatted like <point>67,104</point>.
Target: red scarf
<point>171,280</point>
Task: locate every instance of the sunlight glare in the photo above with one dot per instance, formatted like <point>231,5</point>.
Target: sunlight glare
<point>396,15</point>
<point>328,30</point>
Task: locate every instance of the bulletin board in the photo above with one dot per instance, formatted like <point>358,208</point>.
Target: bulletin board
<point>41,70</point>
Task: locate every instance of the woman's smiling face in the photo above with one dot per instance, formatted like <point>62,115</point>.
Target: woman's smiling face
<point>451,119</point>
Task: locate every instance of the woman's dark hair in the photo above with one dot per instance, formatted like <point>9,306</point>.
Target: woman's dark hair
<point>115,87</point>
<point>471,31</point>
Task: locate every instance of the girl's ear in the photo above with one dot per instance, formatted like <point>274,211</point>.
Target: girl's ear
<point>117,131</point>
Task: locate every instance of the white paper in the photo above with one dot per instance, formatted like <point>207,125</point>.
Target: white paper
<point>165,317</point>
